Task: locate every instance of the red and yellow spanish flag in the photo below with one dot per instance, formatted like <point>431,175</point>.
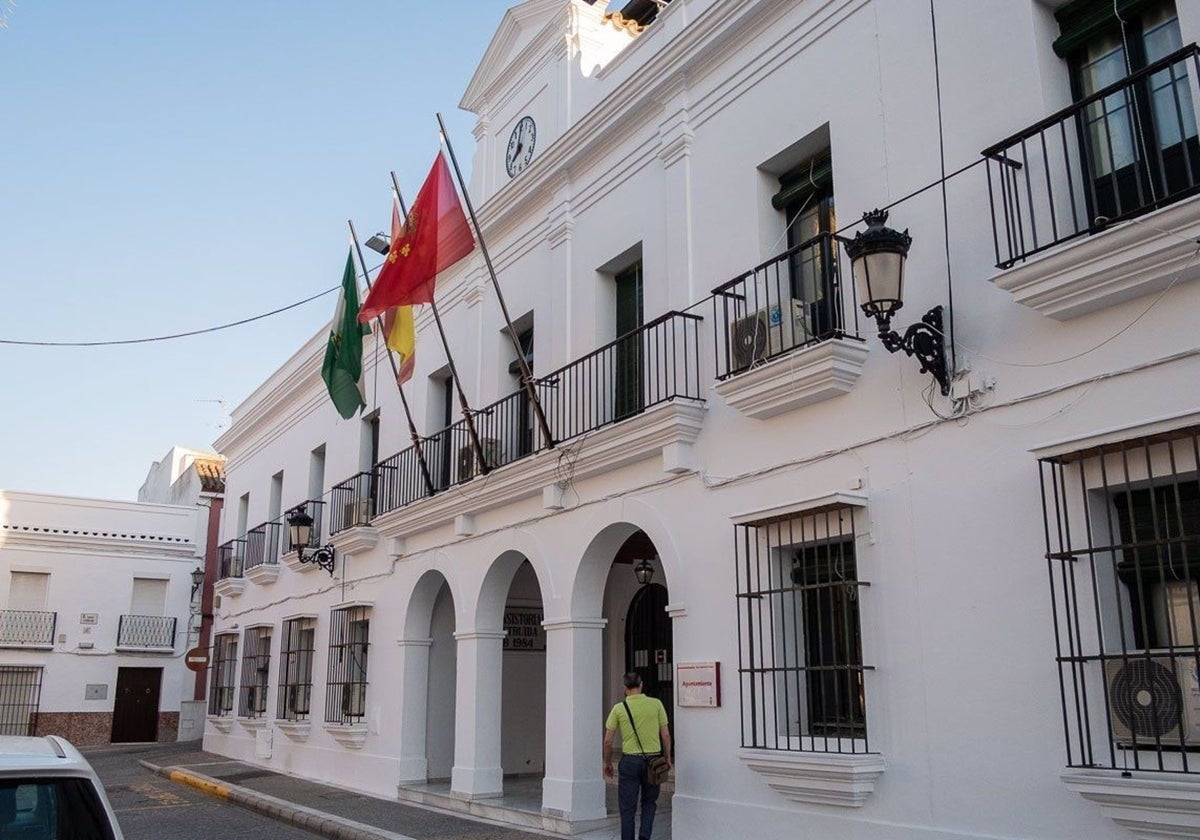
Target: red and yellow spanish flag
<point>435,236</point>
<point>398,324</point>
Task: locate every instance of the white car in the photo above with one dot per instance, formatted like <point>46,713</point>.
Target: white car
<point>48,791</point>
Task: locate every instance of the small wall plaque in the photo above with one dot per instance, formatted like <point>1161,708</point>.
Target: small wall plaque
<point>95,691</point>
<point>89,619</point>
<point>699,684</point>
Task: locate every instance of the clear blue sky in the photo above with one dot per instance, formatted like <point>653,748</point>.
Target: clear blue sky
<point>167,166</point>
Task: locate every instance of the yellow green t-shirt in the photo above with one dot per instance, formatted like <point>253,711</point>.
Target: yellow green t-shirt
<point>648,715</point>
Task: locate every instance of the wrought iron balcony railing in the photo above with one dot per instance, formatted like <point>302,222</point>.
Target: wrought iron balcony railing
<point>1125,150</point>
<point>653,364</point>
<point>789,301</point>
<point>231,559</point>
<point>146,631</point>
<point>19,628</point>
<point>262,544</point>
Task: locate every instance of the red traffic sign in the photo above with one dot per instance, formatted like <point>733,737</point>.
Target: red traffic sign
<point>196,659</point>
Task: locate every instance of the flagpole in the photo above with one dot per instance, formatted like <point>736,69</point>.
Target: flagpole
<point>526,373</point>
<point>467,414</point>
<point>412,428</point>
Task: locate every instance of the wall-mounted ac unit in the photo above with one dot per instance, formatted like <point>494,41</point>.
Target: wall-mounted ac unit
<point>1155,699</point>
<point>356,512</point>
<point>468,461</point>
<point>225,698</point>
<point>257,701</point>
<point>768,332</point>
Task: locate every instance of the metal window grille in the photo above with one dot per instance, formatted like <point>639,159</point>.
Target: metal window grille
<point>20,697</point>
<point>224,673</point>
<point>256,671</point>
<point>27,627</point>
<point>296,668</point>
<point>800,660</point>
<point>346,686</point>
<point>146,631</point>
<point>1122,526</point>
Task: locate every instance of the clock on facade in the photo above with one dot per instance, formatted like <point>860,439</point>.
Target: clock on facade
<point>520,146</point>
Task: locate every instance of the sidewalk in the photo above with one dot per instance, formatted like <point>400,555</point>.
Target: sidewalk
<point>339,813</point>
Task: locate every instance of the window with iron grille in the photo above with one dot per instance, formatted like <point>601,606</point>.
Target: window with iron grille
<point>346,685</point>
<point>224,674</point>
<point>800,644</point>
<point>1122,524</point>
<point>296,668</point>
<point>20,697</point>
<point>256,671</point>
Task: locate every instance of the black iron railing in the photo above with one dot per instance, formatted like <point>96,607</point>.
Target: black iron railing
<point>1126,150</point>
<point>1122,529</point>
<point>653,364</point>
<point>27,627</point>
<point>262,544</point>
<point>223,674</point>
<point>352,502</point>
<point>231,558</point>
<point>146,631</point>
<point>789,301</point>
<point>346,677</point>
<point>256,668</point>
<point>296,651</point>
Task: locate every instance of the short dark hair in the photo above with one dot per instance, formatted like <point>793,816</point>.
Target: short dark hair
<point>632,680</point>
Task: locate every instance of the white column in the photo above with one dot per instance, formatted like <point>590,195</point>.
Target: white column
<point>414,699</point>
<point>477,773</point>
<point>675,139</point>
<point>573,788</point>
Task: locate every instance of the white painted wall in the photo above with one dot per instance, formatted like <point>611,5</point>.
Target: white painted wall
<point>963,701</point>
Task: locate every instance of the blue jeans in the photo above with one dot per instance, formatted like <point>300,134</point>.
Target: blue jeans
<point>631,786</point>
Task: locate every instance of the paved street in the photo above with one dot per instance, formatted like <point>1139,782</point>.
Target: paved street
<point>150,807</point>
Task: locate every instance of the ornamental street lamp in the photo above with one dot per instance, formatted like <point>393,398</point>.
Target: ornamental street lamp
<point>300,533</point>
<point>197,579</point>
<point>877,257</point>
<point>644,572</point>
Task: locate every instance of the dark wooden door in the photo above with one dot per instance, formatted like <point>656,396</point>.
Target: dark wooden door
<point>135,714</point>
<point>648,645</point>
<point>627,362</point>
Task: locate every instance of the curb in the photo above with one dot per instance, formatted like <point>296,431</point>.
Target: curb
<point>309,819</point>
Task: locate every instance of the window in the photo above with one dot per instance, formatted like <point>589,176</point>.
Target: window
<point>805,198</point>
<point>1140,141</point>
<point>256,669</point>
<point>27,591</point>
<point>1123,544</point>
<point>801,663</point>
<point>296,668</point>
<point>224,673</point>
<point>50,808</point>
<point>627,361</point>
<point>149,597</point>
<point>145,626</point>
<point>26,621</point>
<point>346,685</point>
<point>20,697</point>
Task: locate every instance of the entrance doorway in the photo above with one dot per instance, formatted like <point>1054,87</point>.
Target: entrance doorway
<point>135,712</point>
<point>648,644</point>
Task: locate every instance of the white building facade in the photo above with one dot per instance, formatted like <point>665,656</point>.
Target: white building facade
<point>849,614</point>
<point>96,614</point>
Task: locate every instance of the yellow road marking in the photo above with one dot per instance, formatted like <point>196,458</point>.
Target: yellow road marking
<point>212,788</point>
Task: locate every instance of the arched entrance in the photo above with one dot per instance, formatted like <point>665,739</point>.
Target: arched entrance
<point>429,662</point>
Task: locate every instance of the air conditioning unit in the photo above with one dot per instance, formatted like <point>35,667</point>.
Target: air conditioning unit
<point>768,332</point>
<point>468,461</point>
<point>1155,699</point>
<point>354,700</point>
<point>257,701</point>
<point>356,512</point>
<point>225,699</point>
<point>299,695</point>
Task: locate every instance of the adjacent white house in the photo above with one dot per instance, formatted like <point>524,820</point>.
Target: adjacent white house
<point>876,603</point>
<point>96,599</point>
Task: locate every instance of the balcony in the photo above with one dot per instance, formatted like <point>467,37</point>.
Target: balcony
<point>1128,151</point>
<point>149,633</point>
<point>781,340</point>
<point>27,628</point>
<point>631,377</point>
<point>230,567</point>
<point>262,552</point>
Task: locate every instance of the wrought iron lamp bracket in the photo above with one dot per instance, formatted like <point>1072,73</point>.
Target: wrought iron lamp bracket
<point>923,340</point>
<point>323,557</point>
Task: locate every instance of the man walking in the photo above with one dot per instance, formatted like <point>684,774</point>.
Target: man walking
<point>644,734</point>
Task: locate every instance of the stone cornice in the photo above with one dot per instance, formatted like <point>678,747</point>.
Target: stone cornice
<point>83,542</point>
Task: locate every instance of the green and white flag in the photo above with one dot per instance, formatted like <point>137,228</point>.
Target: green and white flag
<point>342,369</point>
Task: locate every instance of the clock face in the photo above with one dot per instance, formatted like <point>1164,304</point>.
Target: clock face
<point>520,146</point>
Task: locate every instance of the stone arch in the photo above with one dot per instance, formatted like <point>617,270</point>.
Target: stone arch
<point>519,547</point>
<point>587,589</point>
<point>419,614</point>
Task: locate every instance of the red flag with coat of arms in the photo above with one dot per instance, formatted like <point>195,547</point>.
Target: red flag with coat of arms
<point>435,236</point>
